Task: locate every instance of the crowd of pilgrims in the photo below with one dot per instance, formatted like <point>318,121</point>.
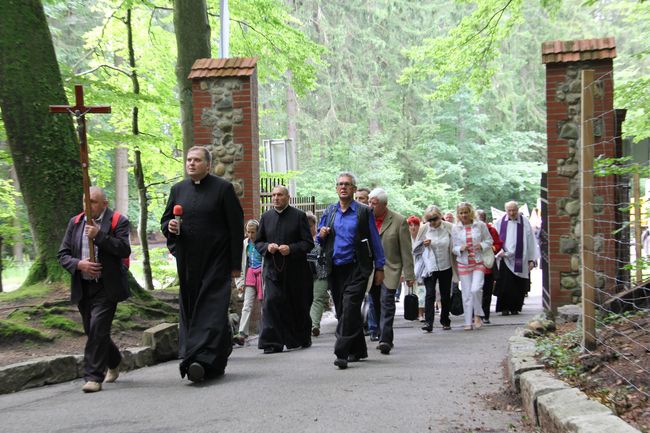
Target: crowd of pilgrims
<point>454,255</point>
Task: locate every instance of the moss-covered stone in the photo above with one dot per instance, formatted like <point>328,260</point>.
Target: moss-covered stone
<point>12,332</point>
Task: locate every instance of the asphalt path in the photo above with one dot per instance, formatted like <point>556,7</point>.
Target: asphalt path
<point>438,382</point>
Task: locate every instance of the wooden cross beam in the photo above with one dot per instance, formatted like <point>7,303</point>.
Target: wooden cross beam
<point>79,111</point>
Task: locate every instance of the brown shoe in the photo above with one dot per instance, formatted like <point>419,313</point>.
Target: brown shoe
<point>91,386</point>
<point>111,375</point>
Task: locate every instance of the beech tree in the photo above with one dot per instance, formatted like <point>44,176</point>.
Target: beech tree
<point>43,146</point>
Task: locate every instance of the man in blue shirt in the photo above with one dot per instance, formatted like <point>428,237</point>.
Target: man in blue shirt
<point>353,249</point>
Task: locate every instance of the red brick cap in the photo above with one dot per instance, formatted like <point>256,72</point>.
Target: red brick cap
<point>232,67</point>
<point>578,50</point>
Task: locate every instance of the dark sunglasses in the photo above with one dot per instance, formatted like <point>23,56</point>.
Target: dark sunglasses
<point>433,219</point>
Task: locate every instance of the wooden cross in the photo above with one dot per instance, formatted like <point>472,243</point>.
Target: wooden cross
<point>79,110</point>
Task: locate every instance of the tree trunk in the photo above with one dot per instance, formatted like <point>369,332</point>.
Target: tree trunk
<point>122,180</point>
<point>1,264</point>
<point>142,224</point>
<point>44,146</point>
<point>18,244</point>
<point>139,173</point>
<point>193,42</point>
<point>292,130</point>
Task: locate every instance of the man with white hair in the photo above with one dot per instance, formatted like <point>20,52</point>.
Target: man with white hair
<point>396,241</point>
<point>518,257</point>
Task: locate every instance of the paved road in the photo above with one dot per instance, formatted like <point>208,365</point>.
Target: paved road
<point>429,383</point>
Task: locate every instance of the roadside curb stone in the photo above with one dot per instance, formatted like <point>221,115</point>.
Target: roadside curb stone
<point>535,384</point>
<point>163,340</point>
<point>552,404</point>
<point>56,369</point>
<point>521,358</point>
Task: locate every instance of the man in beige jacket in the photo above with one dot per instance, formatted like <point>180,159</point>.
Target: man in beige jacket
<point>396,240</point>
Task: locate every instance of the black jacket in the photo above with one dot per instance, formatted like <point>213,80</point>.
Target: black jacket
<point>113,247</point>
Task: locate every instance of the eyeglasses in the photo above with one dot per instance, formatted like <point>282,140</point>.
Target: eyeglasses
<point>344,184</point>
<point>433,219</point>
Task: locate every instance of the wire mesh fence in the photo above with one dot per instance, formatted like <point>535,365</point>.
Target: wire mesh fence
<point>614,280</point>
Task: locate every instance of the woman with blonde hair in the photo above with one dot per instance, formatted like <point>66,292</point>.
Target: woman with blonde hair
<point>470,238</point>
<point>250,283</point>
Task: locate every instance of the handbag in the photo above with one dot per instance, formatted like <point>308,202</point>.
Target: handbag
<point>488,258</point>
<point>456,307</point>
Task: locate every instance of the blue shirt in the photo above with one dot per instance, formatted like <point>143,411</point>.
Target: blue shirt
<point>345,229</point>
<point>254,258</point>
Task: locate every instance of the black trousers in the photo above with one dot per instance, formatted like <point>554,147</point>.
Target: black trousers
<point>512,290</point>
<point>97,312</point>
<point>444,279</point>
<point>383,302</point>
<point>488,286</point>
<point>348,286</point>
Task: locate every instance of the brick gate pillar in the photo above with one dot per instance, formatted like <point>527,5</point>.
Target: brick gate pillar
<point>564,60</point>
<point>224,94</point>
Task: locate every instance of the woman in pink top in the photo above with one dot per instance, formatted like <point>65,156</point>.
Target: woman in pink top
<point>470,237</point>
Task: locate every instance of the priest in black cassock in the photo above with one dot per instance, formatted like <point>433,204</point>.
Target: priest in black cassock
<point>284,240</point>
<point>207,243</point>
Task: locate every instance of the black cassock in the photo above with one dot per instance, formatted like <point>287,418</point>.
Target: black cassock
<point>288,282</point>
<point>207,250</point>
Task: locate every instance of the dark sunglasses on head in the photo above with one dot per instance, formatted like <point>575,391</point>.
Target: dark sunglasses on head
<point>433,219</point>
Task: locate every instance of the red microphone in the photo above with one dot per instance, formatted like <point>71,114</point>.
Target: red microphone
<point>178,213</point>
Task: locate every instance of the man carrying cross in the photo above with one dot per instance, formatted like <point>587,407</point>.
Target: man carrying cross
<point>97,285</point>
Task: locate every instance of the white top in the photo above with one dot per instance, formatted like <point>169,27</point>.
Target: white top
<point>480,235</point>
<point>436,256</point>
<point>510,246</point>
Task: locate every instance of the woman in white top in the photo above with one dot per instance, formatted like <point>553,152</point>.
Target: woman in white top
<point>434,262</point>
<point>470,237</point>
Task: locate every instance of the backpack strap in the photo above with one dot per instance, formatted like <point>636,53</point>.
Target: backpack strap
<point>78,218</point>
<point>115,219</point>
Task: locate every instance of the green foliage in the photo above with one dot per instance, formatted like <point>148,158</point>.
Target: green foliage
<point>475,44</point>
<point>560,352</point>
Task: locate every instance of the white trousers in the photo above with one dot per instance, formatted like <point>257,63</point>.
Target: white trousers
<point>250,293</point>
<point>472,287</point>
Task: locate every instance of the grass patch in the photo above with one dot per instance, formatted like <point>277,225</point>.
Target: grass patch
<point>62,323</point>
<point>40,290</point>
<point>12,332</point>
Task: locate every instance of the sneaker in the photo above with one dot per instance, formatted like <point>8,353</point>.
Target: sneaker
<point>111,375</point>
<point>315,332</point>
<point>91,386</point>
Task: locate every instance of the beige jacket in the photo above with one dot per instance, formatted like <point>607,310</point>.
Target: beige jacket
<point>396,240</point>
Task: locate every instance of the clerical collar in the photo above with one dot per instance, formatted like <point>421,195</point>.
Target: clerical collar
<point>281,210</point>
<point>198,182</point>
